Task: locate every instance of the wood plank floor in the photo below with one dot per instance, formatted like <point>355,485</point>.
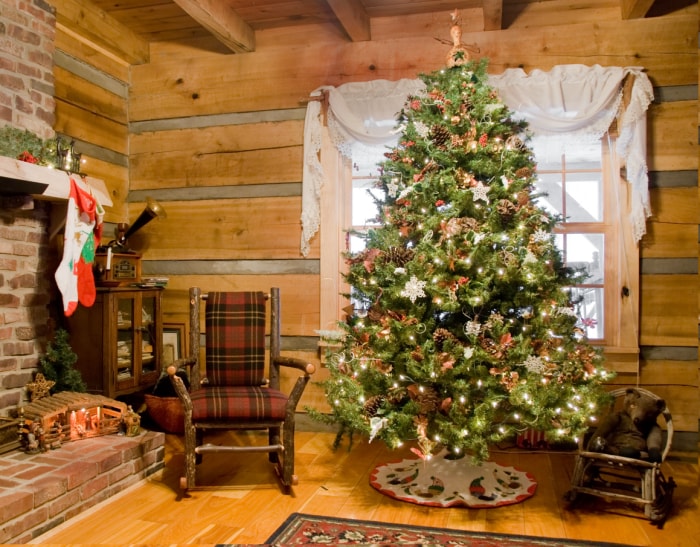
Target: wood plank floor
<point>336,483</point>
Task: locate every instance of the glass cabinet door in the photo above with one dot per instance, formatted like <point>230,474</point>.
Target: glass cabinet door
<point>125,340</point>
<point>149,339</point>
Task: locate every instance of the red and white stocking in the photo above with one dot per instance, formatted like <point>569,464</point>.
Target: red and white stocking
<point>83,230</point>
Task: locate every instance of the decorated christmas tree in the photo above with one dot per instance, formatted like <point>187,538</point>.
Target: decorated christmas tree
<point>464,329</point>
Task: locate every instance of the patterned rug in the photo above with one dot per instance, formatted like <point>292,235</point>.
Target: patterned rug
<point>444,482</point>
<point>301,529</point>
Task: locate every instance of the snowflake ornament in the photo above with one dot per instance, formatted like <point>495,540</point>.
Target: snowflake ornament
<point>414,289</point>
<point>541,236</point>
<point>530,258</point>
<point>562,310</point>
<point>422,129</point>
<point>472,328</point>
<point>534,364</point>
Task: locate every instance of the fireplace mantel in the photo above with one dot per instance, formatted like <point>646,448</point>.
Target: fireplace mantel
<point>21,177</point>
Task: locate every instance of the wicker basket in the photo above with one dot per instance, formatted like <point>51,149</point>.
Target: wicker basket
<point>167,412</point>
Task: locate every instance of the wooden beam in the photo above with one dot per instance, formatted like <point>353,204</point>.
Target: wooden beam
<point>354,19</point>
<point>84,21</point>
<point>635,9</point>
<point>493,14</point>
<point>223,22</point>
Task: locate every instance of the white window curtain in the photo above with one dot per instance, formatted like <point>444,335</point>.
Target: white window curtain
<point>568,102</point>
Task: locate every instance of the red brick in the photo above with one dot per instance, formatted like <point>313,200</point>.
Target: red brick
<point>77,473</point>
<point>23,281</point>
<point>14,235</point>
<point>47,489</point>
<point>9,300</point>
<point>9,264</point>
<point>108,459</point>
<point>59,505</point>
<point>17,348</point>
<point>34,472</point>
<point>92,488</point>
<point>5,365</point>
<point>27,522</point>
<point>15,503</point>
<point>121,472</point>
<point>24,249</point>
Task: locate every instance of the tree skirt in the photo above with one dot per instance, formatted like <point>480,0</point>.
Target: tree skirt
<point>442,482</point>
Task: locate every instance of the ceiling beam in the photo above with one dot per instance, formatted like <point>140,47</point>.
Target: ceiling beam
<point>635,9</point>
<point>85,21</point>
<point>222,21</point>
<point>353,18</point>
<point>493,14</point>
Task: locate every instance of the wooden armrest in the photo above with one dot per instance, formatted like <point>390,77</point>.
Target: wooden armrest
<point>183,362</point>
<point>180,388</point>
<point>294,362</point>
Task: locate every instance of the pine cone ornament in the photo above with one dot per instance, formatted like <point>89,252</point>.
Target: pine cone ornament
<point>399,256</point>
<point>440,135</point>
<point>428,400</point>
<point>524,173</point>
<point>505,208</point>
<point>440,336</point>
<point>372,405</point>
<point>395,395</point>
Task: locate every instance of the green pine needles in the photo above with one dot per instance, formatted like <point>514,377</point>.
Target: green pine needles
<point>57,365</point>
<point>464,331</point>
<point>14,143</point>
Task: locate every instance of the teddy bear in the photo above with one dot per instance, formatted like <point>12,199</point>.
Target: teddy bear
<point>633,431</point>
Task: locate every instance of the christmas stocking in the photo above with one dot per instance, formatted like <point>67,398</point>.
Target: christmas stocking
<point>74,275</point>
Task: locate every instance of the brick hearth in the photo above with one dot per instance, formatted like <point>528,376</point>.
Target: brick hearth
<point>40,491</point>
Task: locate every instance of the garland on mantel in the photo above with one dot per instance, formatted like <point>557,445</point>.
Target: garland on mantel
<point>24,145</point>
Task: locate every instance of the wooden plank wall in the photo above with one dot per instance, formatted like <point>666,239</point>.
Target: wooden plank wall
<point>92,108</point>
<point>216,138</point>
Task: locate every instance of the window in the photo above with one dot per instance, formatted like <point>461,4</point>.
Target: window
<point>578,183</point>
<point>575,184</point>
<point>605,215</point>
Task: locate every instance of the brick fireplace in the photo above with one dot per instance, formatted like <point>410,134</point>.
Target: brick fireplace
<point>27,32</point>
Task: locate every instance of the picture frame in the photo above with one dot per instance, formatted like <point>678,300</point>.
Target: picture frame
<point>174,342</point>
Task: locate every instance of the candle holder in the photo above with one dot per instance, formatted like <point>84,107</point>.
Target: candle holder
<point>67,159</point>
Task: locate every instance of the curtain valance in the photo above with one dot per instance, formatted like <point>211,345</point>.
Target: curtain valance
<point>568,102</point>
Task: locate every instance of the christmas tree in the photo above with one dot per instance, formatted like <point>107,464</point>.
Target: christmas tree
<point>464,330</point>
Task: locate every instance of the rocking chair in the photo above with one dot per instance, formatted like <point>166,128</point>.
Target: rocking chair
<point>618,478</point>
<point>234,395</point>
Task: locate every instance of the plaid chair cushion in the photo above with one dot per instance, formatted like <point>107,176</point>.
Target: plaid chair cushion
<point>235,333</point>
<point>246,403</point>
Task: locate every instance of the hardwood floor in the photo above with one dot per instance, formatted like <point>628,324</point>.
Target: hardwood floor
<point>251,506</point>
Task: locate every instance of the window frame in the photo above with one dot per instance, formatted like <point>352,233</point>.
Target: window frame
<point>621,306</point>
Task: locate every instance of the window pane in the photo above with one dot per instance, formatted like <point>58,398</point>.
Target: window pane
<point>364,208</point>
<point>584,251</point>
<point>584,200</point>
<point>588,303</point>
<point>355,244</point>
<point>550,185</point>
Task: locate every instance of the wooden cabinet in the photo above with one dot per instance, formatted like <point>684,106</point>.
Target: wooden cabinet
<point>118,340</point>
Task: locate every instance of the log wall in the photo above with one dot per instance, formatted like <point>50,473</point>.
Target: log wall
<point>216,138</point>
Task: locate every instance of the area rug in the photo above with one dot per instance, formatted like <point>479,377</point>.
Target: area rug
<point>302,529</point>
<point>444,482</point>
